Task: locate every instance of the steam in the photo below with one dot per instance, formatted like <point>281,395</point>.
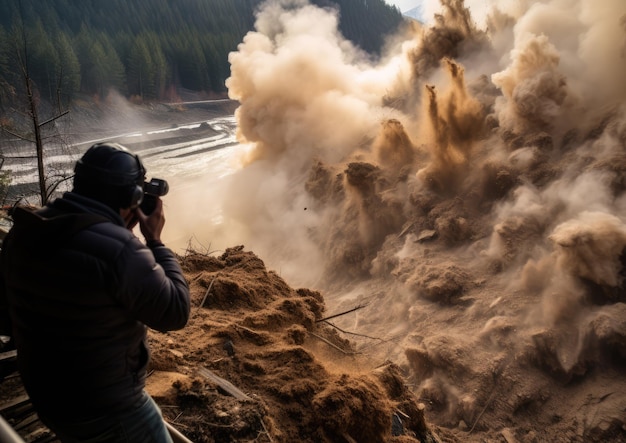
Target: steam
<point>478,161</point>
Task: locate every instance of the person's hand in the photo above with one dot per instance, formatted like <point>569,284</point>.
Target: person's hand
<point>151,225</point>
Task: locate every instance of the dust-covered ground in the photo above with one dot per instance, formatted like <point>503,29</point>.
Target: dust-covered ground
<point>286,375</point>
<point>460,202</point>
<point>465,195</point>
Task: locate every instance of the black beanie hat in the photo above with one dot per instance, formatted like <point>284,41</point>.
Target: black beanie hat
<point>110,174</point>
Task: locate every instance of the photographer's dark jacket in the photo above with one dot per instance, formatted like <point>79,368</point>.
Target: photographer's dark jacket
<point>81,289</point>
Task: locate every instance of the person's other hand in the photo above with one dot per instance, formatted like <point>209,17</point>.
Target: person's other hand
<point>151,225</point>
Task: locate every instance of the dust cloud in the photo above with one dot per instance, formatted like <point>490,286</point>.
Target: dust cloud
<point>466,190</point>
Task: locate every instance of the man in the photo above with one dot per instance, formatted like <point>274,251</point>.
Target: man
<point>81,289</point>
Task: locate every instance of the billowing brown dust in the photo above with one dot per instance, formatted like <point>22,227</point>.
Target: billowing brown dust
<point>466,192</point>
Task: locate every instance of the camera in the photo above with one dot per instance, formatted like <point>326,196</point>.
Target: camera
<point>152,190</point>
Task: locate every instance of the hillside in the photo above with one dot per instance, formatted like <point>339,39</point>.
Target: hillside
<point>256,362</point>
<point>469,190</point>
<point>462,201</point>
<point>300,380</point>
<point>145,50</point>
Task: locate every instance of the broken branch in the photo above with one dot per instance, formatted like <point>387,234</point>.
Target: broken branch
<point>332,344</point>
<point>224,384</point>
<point>342,313</point>
<point>206,294</point>
<point>353,333</point>
<point>266,431</point>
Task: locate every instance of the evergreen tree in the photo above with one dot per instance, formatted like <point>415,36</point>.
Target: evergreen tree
<point>111,66</point>
<point>43,61</point>
<point>5,85</point>
<point>68,70</point>
<point>140,70</point>
<point>147,47</point>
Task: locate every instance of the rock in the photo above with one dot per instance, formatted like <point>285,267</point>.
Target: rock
<point>426,235</point>
<point>397,428</point>
<point>508,435</point>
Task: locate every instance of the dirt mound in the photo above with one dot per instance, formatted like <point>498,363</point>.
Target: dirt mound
<point>293,377</point>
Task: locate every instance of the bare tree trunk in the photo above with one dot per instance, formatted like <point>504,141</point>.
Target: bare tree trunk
<point>38,142</point>
<point>44,192</point>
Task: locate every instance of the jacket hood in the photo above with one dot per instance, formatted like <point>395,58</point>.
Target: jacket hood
<point>64,215</point>
<point>72,202</point>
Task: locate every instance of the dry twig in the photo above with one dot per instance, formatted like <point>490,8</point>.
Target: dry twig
<point>251,331</point>
<point>207,291</point>
<point>484,409</point>
<point>224,384</point>
<point>342,313</point>
<point>353,333</point>
<point>332,344</point>
<point>266,431</point>
<point>406,229</point>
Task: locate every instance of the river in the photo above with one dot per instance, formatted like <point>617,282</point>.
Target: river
<point>195,149</point>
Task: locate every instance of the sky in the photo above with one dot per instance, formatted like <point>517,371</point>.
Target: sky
<point>428,8</point>
<point>405,5</point>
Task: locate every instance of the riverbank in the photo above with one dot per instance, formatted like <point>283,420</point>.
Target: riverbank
<point>90,121</point>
